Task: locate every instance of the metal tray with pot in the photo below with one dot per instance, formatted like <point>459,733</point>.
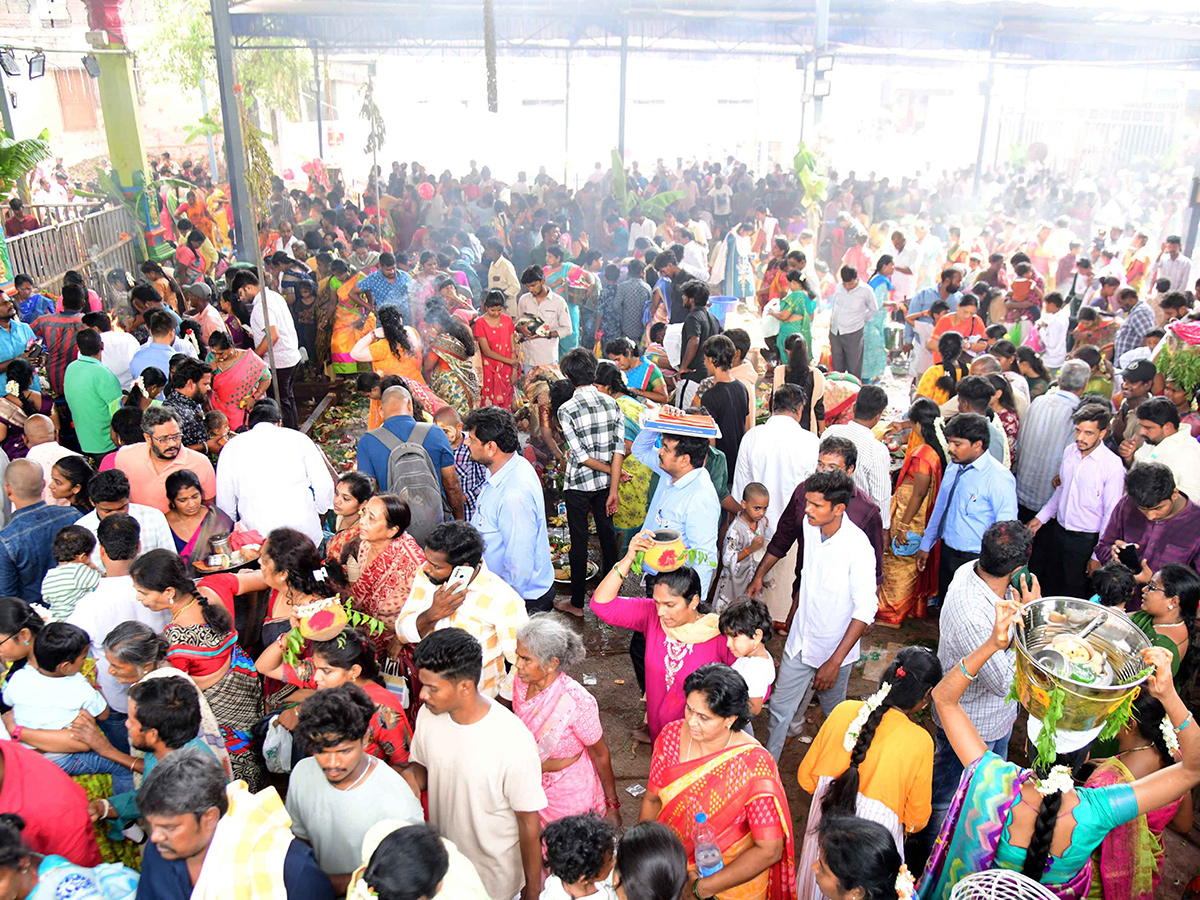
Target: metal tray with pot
<point>1041,670</point>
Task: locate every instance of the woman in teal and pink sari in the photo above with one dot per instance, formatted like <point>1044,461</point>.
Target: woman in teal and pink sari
<point>1128,863</point>
<point>577,771</point>
<point>1035,820</point>
<point>558,272</point>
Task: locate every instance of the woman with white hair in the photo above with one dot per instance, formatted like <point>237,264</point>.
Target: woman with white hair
<point>565,720</point>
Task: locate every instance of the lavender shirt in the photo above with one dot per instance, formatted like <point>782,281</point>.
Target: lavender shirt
<point>1090,488</point>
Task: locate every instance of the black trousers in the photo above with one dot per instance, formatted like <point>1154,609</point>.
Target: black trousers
<point>579,504</point>
<point>544,603</point>
<point>948,564</point>
<point>287,399</point>
<point>1062,569</point>
<point>637,655</point>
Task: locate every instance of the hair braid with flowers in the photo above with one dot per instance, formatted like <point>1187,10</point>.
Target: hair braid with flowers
<point>904,686</point>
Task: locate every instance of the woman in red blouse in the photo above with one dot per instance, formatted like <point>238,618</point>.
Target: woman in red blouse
<point>347,658</point>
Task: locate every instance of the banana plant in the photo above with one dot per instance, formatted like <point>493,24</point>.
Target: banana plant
<point>18,158</point>
<point>652,207</point>
<point>206,127</point>
<point>143,202</point>
<point>813,183</point>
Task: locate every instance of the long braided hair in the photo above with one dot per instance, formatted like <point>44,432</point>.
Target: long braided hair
<point>950,347</point>
<point>912,675</point>
<point>1047,817</point>
<point>924,414</point>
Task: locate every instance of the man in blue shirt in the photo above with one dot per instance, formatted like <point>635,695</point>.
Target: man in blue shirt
<point>947,290</point>
<point>396,407</point>
<point>510,511</point>
<point>159,350</point>
<point>976,492</point>
<point>685,499</point>
<point>387,286</point>
<point>26,541</point>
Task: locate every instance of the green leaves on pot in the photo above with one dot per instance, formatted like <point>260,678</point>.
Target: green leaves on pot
<point>1047,741</point>
<point>1118,718</point>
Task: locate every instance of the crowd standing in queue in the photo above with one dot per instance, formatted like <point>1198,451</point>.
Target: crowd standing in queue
<point>232,670</point>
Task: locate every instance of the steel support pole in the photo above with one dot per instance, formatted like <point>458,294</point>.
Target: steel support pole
<point>987,108</point>
<point>208,138</point>
<point>624,73</point>
<point>245,232</point>
<point>320,115</point>
<point>820,43</point>
<point>567,123</point>
<point>5,112</point>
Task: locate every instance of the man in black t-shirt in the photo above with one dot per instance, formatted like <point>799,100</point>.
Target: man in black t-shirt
<point>698,327</point>
<point>726,399</point>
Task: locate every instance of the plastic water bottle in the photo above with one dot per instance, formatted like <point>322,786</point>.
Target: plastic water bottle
<point>708,854</point>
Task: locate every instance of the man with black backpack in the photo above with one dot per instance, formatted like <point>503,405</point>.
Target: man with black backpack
<point>412,459</point>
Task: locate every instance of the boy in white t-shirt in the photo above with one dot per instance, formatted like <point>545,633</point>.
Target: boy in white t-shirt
<point>746,625</point>
<point>48,693</point>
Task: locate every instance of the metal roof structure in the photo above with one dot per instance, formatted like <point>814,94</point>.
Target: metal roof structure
<point>1162,34</point>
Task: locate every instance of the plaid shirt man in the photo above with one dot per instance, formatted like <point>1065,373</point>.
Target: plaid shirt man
<point>471,475</point>
<point>968,616</point>
<point>1138,321</point>
<point>594,428</point>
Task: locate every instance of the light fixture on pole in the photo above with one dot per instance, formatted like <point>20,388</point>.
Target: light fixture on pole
<point>824,62</point>
<point>37,65</point>
<point>91,65</point>
<point>821,88</point>
<point>8,62</point>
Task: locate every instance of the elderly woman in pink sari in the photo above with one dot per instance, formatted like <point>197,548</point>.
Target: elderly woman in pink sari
<point>680,636</point>
<point>577,771</point>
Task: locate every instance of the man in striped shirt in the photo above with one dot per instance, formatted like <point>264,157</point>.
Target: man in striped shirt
<point>57,331</point>
<point>484,606</point>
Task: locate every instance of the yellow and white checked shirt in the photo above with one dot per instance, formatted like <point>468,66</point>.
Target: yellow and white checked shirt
<point>492,613</point>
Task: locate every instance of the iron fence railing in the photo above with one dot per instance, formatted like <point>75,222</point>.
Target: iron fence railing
<point>91,245</point>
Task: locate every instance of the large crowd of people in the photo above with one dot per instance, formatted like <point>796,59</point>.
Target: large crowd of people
<point>295,681</point>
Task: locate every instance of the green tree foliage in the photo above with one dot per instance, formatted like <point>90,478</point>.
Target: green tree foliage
<point>182,50</point>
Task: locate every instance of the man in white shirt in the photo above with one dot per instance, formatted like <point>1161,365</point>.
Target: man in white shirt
<point>907,257</point>
<point>118,347</point>
<point>1173,265</point>
<point>271,477</point>
<point>872,472</point>
<point>501,274</point>
<point>853,305</point>
<point>112,602</point>
<point>109,492</point>
<point>548,306</point>
<point>640,226</point>
<point>1164,442</point>
<point>1053,328</point>
<point>282,337</point>
<point>837,602</point>
<point>778,454</point>
<point>480,766</point>
<point>287,239</point>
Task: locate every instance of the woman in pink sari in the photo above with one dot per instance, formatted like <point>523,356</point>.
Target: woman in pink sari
<point>577,771</point>
<point>240,378</point>
<point>1128,863</point>
<point>680,637</point>
<point>387,560</point>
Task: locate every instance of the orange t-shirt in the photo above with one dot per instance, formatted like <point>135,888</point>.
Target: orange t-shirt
<point>897,770</point>
<point>969,330</point>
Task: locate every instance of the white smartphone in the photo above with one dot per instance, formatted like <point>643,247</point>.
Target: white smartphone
<point>459,578</point>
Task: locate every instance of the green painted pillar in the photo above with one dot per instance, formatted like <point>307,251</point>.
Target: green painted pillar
<point>122,118</point>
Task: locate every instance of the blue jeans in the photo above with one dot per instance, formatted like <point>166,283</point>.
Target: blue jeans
<point>948,769</point>
<point>113,727</point>
<point>92,763</point>
<point>793,691</point>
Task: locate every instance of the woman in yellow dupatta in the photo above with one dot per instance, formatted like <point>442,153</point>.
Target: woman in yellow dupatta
<point>905,590</point>
<point>706,764</point>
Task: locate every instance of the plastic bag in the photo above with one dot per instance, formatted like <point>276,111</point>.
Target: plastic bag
<point>277,748</point>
